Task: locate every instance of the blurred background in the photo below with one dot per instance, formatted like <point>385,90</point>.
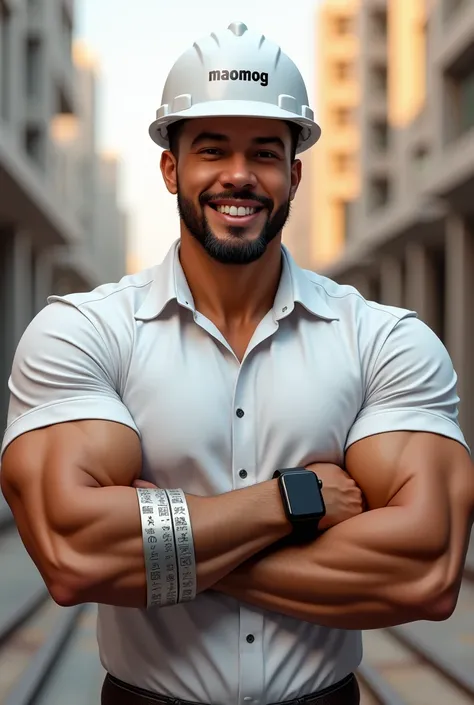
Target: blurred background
<point>386,204</point>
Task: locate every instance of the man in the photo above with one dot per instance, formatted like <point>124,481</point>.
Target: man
<point>210,373</point>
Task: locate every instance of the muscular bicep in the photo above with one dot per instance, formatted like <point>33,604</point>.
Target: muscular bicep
<point>45,472</point>
<point>424,470</point>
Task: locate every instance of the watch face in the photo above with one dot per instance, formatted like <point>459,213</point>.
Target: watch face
<point>303,495</point>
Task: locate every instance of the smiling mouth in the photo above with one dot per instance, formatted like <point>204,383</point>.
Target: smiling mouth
<point>236,211</point>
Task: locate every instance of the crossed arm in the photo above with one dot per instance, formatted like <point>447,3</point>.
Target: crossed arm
<point>399,562</point>
<point>70,487</point>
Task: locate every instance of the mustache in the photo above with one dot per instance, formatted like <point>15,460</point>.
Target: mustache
<point>236,195</point>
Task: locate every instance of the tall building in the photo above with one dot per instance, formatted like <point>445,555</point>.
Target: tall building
<point>408,235</point>
<point>61,228</point>
<point>330,170</point>
<point>336,157</point>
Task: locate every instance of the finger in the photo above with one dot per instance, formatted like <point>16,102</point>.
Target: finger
<point>144,484</point>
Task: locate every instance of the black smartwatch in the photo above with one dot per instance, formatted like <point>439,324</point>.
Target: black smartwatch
<point>303,502</point>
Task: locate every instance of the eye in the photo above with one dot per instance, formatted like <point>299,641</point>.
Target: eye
<point>211,151</point>
<point>265,154</point>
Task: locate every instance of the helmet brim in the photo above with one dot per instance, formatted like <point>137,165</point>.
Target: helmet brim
<point>310,132</point>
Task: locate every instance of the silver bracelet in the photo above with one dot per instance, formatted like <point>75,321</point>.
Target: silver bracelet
<point>159,547</point>
<point>184,545</point>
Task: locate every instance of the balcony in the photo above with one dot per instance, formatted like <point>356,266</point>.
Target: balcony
<point>458,102</point>
<point>343,139</point>
<point>343,93</point>
<point>343,48</point>
<point>29,199</point>
<point>457,44</point>
<point>452,175</point>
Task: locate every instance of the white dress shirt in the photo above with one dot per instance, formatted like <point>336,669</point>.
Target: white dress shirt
<point>324,369</point>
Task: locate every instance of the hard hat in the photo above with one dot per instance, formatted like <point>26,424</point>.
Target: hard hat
<point>235,73</point>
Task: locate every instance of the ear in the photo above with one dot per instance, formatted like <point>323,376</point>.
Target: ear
<point>296,171</point>
<point>169,170</point>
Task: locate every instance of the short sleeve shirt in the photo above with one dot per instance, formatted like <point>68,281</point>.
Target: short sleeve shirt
<point>324,369</point>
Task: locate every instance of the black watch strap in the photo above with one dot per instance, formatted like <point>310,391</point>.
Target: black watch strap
<point>277,473</point>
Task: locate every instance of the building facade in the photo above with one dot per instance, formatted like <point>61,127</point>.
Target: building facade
<point>61,227</point>
<point>407,235</point>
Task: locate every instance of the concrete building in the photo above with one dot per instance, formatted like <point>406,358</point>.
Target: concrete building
<point>61,228</point>
<point>331,168</point>
<point>408,238</point>
<point>297,229</point>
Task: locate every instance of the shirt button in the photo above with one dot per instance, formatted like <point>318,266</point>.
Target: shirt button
<point>240,413</point>
<point>243,474</point>
<point>250,638</point>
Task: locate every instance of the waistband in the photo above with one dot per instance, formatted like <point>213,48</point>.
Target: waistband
<point>116,692</point>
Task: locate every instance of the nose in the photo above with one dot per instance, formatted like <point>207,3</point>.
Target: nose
<point>237,173</point>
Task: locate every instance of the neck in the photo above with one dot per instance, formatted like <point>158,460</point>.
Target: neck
<point>231,294</point>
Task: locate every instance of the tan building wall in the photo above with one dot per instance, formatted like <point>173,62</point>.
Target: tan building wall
<point>335,158</point>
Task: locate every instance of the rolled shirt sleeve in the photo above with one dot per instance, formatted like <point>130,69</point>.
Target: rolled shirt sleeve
<point>411,386</point>
<point>62,371</point>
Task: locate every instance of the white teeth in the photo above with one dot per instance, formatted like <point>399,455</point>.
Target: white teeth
<point>236,212</point>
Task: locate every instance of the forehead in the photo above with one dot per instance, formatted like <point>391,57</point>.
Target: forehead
<point>236,129</point>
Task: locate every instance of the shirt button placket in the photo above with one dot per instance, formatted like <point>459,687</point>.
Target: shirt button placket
<point>244,474</point>
<point>251,656</point>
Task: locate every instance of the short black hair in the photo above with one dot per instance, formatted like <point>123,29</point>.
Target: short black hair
<point>174,131</point>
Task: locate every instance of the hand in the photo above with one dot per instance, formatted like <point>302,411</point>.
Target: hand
<point>342,496</point>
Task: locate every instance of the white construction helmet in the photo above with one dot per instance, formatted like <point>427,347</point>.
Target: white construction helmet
<point>235,73</point>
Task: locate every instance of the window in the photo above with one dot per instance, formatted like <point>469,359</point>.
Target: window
<point>342,25</point>
<point>378,25</point>
<point>342,163</point>
<point>343,117</point>
<point>421,157</point>
<point>458,102</point>
<point>379,193</point>
<point>380,133</point>
<point>34,144</point>
<point>466,101</point>
<point>343,70</point>
<point>5,52</point>
<point>379,80</point>
<point>33,67</point>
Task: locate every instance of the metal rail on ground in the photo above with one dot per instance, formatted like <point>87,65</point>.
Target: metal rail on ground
<point>45,660</point>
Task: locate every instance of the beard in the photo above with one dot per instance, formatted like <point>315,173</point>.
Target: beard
<point>236,249</point>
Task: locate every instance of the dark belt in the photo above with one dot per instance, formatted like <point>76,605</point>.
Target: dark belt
<point>116,692</point>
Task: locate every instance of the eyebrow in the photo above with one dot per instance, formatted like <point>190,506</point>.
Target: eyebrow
<point>217,137</point>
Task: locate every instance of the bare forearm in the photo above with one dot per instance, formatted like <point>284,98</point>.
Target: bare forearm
<point>105,559</point>
<point>375,570</point>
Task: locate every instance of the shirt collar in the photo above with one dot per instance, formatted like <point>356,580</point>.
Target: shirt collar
<point>170,284</point>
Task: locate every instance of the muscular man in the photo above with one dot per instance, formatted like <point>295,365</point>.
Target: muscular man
<point>208,373</point>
